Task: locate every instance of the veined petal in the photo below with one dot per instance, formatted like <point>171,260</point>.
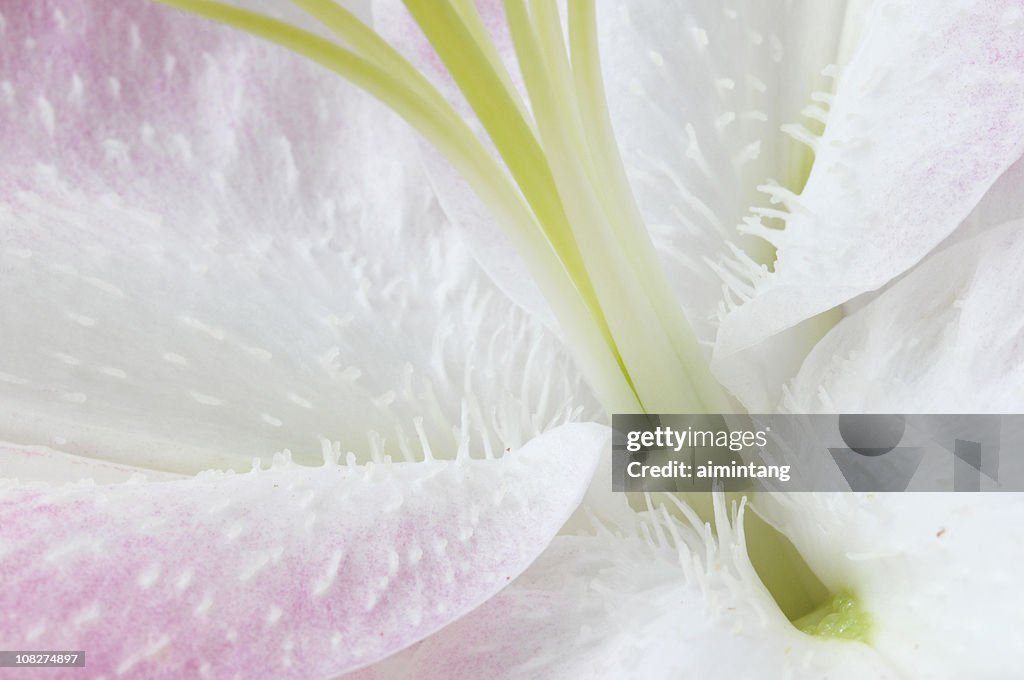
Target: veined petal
<point>629,605</point>
<point>213,250</point>
<point>948,338</point>
<point>294,572</point>
<point>927,116</point>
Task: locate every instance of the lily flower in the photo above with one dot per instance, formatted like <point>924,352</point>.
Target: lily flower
<point>365,361</point>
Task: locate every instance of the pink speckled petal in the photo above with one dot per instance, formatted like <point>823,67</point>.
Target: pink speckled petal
<point>294,572</point>
<point>928,115</point>
<point>1004,202</point>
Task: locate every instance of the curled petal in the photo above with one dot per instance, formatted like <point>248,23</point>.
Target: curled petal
<point>936,571</point>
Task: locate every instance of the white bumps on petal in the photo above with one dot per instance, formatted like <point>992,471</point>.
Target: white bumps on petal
<point>927,116</point>
<point>224,571</point>
<point>948,338</point>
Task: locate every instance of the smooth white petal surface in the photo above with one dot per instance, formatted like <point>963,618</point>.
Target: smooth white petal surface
<point>295,572</point>
<point>213,250</point>
<point>927,116</point>
<point>947,338</point>
<point>631,606</point>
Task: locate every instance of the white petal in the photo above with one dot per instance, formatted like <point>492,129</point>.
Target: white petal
<point>926,118</point>
<point>948,338</point>
<point>937,572</point>
<point>214,250</point>
<point>629,605</point>
<point>295,572</point>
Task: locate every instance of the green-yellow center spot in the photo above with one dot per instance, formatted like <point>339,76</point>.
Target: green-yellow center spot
<point>842,618</point>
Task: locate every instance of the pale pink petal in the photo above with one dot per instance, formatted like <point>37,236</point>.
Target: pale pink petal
<point>1004,202</point>
<point>294,572</point>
